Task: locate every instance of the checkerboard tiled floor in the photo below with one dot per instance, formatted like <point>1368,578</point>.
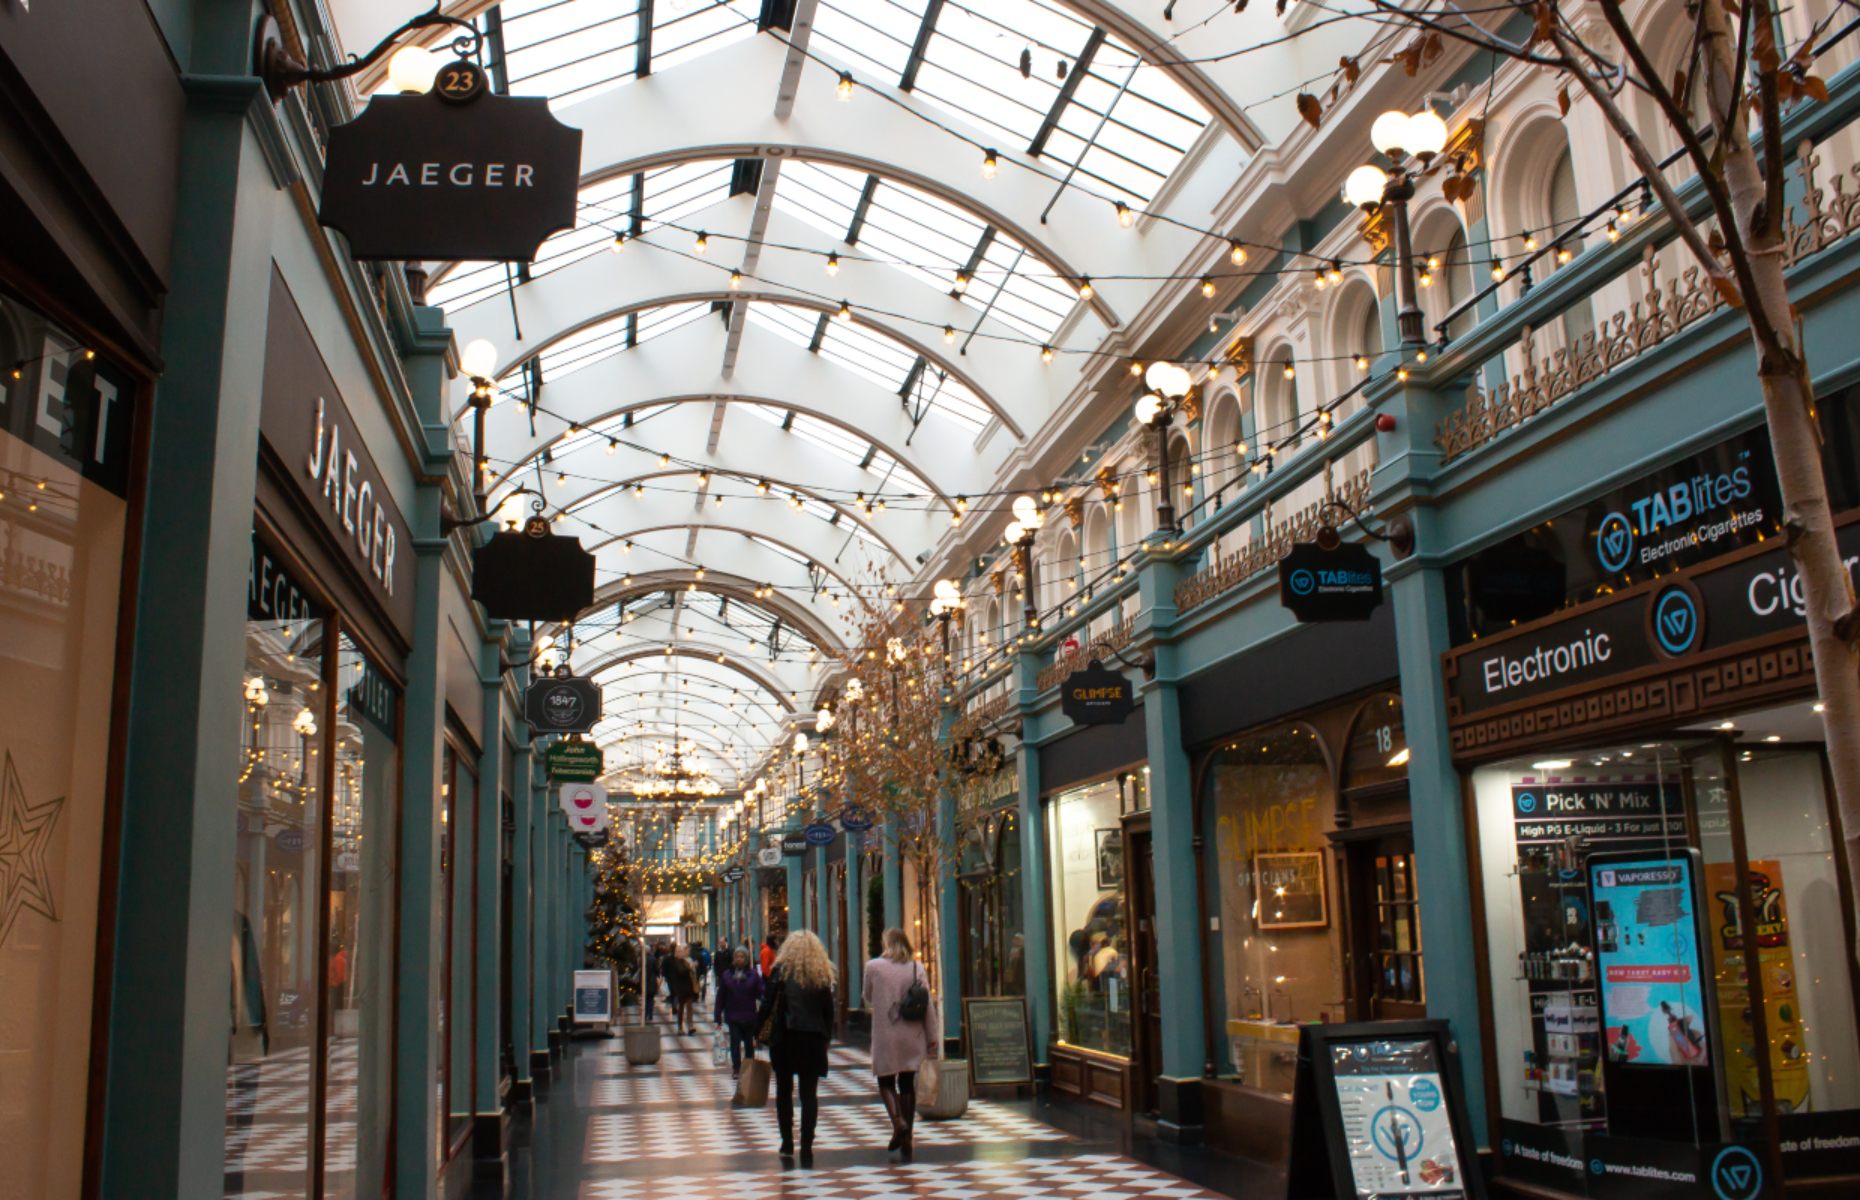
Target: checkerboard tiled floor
<point>1084,1177</point>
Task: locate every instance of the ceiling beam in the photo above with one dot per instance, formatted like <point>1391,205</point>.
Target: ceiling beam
<point>857,225</point>
<point>920,46</point>
<point>642,60</point>
<point>1066,91</point>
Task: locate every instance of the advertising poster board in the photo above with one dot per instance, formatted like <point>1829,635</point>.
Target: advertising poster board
<point>1647,960</point>
<point>1377,1114</point>
<point>594,997</point>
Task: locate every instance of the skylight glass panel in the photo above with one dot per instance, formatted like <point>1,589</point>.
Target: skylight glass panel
<point>930,240</point>
<point>571,50</point>
<point>780,549</point>
<point>603,340</point>
<point>878,39</point>
<point>671,194</point>
<point>971,70</point>
<point>894,475</point>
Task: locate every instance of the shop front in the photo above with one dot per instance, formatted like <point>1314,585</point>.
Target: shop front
<point>1664,897</point>
<point>1311,912</point>
<point>310,1059</point>
<point>1101,905</point>
<point>988,866</point>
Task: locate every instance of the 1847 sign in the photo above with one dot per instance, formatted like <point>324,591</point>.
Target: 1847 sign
<point>1096,695</point>
<point>455,174</point>
<point>1343,584</point>
<point>562,705</point>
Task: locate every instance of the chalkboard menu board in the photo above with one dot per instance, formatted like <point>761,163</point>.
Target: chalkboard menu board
<point>1000,1051</point>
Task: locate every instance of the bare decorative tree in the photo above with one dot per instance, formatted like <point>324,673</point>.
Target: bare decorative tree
<point>888,759</point>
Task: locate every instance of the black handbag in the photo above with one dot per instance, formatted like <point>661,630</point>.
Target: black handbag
<point>916,1003</point>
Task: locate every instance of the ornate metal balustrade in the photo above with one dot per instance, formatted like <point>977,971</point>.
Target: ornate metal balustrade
<point>1269,546</point>
<point>1822,218</point>
<point>1067,662</point>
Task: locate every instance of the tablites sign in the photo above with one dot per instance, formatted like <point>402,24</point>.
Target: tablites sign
<point>562,705</point>
<point>454,174</point>
<point>1096,695</point>
<point>1344,584</point>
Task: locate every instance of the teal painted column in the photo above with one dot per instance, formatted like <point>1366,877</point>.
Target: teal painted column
<point>542,949</point>
<point>796,881</point>
<point>1036,929</point>
<point>422,951</point>
<point>1176,846</point>
<point>855,922</point>
<point>522,892</point>
<point>1037,932</point>
<point>894,878</point>
<point>487,974</point>
<point>164,1108</point>
<point>1443,878</point>
<point>420,966</point>
<point>1408,459</point>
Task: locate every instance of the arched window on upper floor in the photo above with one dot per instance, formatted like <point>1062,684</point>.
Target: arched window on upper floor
<point>1183,479</point>
<point>1060,577</point>
<point>1220,464</point>
<point>1355,333</point>
<point>1097,555</point>
<point>1278,411</point>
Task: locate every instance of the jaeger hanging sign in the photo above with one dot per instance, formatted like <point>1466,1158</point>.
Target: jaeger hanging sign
<point>454,174</point>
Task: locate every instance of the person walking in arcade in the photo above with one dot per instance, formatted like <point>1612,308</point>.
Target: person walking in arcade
<point>797,1023</point>
<point>904,1024</point>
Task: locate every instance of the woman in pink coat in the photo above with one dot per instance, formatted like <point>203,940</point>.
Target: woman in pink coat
<point>899,1046</point>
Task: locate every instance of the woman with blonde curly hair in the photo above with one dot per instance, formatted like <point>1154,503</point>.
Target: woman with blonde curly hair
<point>797,1023</point>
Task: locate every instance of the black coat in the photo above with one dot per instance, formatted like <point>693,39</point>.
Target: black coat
<point>803,1028</point>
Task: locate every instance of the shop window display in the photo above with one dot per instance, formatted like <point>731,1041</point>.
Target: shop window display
<point>1091,934</point>
<point>63,512</point>
<point>1622,886</point>
<point>1280,943</point>
<point>460,817</point>
<point>988,876</point>
<point>274,943</point>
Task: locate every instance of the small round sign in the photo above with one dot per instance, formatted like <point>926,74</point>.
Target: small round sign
<point>459,82</point>
<point>820,835</point>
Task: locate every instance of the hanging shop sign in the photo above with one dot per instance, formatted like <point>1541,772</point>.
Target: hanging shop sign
<point>455,174</point>
<point>1096,695</point>
<point>580,798</point>
<point>1377,1111</point>
<point>733,875</point>
<point>769,856</point>
<point>534,575</point>
<point>1342,584</point>
<point>592,841</point>
<point>574,761</point>
<point>306,424</point>
<point>794,844</point>
<point>819,834</point>
<point>855,820</point>
<point>562,704</point>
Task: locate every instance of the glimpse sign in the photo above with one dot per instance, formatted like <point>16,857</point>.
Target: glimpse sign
<point>1096,695</point>
<point>425,177</point>
<point>1344,584</point>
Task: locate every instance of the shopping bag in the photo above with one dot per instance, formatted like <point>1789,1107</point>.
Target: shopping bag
<point>719,1048</point>
<point>752,1086</point>
<point>929,1083</point>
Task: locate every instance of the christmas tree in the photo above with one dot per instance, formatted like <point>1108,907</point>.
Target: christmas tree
<point>614,917</point>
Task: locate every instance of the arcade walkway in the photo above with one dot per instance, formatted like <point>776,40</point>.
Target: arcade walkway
<point>606,1131</point>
